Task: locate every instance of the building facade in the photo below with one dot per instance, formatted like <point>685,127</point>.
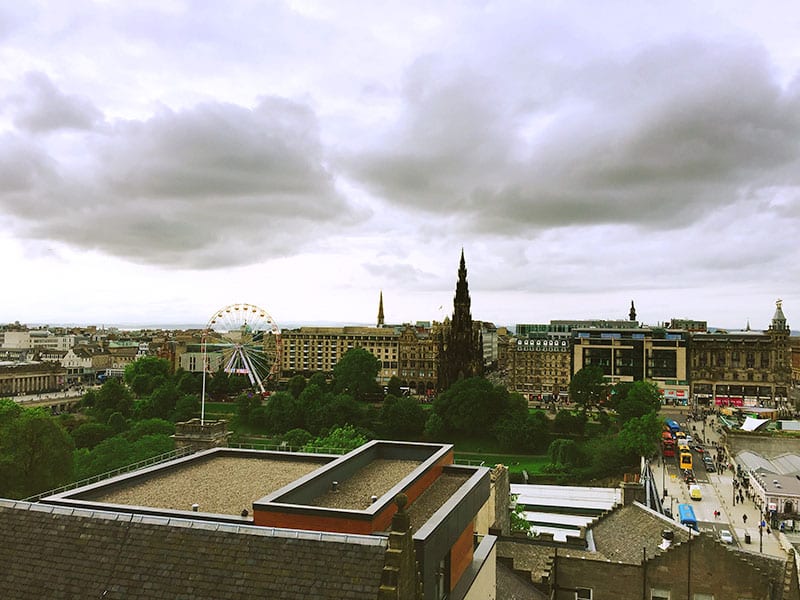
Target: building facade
<point>309,350</point>
<point>538,365</point>
<point>743,368</point>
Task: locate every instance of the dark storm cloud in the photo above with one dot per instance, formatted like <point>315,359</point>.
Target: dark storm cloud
<point>210,186</point>
<point>655,140</point>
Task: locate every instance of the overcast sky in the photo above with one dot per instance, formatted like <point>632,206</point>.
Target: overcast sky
<point>161,159</point>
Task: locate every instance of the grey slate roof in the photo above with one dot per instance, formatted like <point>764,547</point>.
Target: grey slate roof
<point>623,533</point>
<point>53,552</point>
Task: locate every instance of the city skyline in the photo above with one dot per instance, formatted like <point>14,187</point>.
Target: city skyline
<point>160,162</point>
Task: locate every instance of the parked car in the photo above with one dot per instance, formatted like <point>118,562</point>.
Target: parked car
<point>726,537</point>
<point>698,448</point>
<point>710,468</point>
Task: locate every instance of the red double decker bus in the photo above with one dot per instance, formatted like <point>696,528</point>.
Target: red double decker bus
<point>667,444</point>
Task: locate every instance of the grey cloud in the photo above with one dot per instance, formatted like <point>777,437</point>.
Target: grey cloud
<point>42,107</point>
<point>657,140</point>
<point>215,185</point>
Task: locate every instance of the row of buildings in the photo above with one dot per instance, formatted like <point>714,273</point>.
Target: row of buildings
<point>689,362</point>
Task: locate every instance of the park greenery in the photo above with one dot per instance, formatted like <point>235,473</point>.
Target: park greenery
<point>127,420</point>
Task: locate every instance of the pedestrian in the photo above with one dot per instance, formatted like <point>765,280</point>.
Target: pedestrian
<point>744,519</point>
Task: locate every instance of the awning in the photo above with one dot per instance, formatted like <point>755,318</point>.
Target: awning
<point>751,423</point>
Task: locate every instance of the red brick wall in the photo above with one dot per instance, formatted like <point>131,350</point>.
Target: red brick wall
<point>380,522</point>
<point>311,522</point>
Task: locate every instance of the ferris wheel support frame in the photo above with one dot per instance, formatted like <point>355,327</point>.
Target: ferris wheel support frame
<point>246,360</point>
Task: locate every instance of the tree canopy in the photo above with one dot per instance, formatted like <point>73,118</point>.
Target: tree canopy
<point>473,406</point>
<point>402,418</point>
<point>35,451</point>
<point>588,387</point>
<point>356,372</point>
<point>641,398</point>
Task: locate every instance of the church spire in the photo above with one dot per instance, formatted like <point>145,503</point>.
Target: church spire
<point>380,311</point>
<point>632,314</point>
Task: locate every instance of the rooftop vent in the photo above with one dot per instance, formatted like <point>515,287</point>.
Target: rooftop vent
<point>373,499</point>
<point>195,507</point>
<point>667,535</point>
<point>334,486</point>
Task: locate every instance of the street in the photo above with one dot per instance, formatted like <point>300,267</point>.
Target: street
<point>717,488</point>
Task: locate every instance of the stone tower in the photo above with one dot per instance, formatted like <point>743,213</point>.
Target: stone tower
<point>380,311</point>
<point>632,314</point>
<point>461,349</point>
<point>781,350</point>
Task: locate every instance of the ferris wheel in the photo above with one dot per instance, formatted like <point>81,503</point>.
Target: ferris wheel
<point>242,339</point>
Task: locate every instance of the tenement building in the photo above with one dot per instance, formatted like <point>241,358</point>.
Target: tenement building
<point>309,350</point>
<point>742,368</point>
<point>537,365</point>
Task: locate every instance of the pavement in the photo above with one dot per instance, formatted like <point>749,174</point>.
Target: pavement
<point>718,495</point>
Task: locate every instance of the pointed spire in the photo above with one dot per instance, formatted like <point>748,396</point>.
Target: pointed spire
<point>380,311</point>
<point>748,325</point>
<point>632,314</point>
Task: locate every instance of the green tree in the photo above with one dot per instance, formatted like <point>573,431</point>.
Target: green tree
<point>393,387</point>
<point>319,380</point>
<point>35,452</point>
<point>117,422</point>
<point>119,451</point>
<point>642,397</point>
<point>145,374</point>
<point>112,396</point>
<point>310,405</point>
<point>588,387</point>
<point>338,410</point>
<point>519,524</point>
<point>147,427</point>
<point>563,452</point>
<point>88,435</point>
<point>189,383</point>
<point>639,436</point>
<point>402,418</point>
<point>435,428</point>
<point>342,438</point>
<point>355,374</point>
<point>296,385</point>
<point>528,433</point>
<point>567,421</point>
<point>161,403</point>
<point>187,407</point>
<point>473,406</point>
<point>297,438</point>
<point>282,413</point>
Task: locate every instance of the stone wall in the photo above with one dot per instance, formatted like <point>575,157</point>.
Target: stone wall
<point>502,496</point>
<point>767,445</point>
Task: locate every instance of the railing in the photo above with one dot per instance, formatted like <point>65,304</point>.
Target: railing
<point>108,474</point>
<point>287,448</point>
<point>470,463</point>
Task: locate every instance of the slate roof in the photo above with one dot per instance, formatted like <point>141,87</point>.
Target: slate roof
<point>621,534</point>
<point>54,552</point>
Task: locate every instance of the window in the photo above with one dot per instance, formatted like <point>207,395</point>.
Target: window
<point>583,594</point>
<point>659,594</point>
<point>702,596</point>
